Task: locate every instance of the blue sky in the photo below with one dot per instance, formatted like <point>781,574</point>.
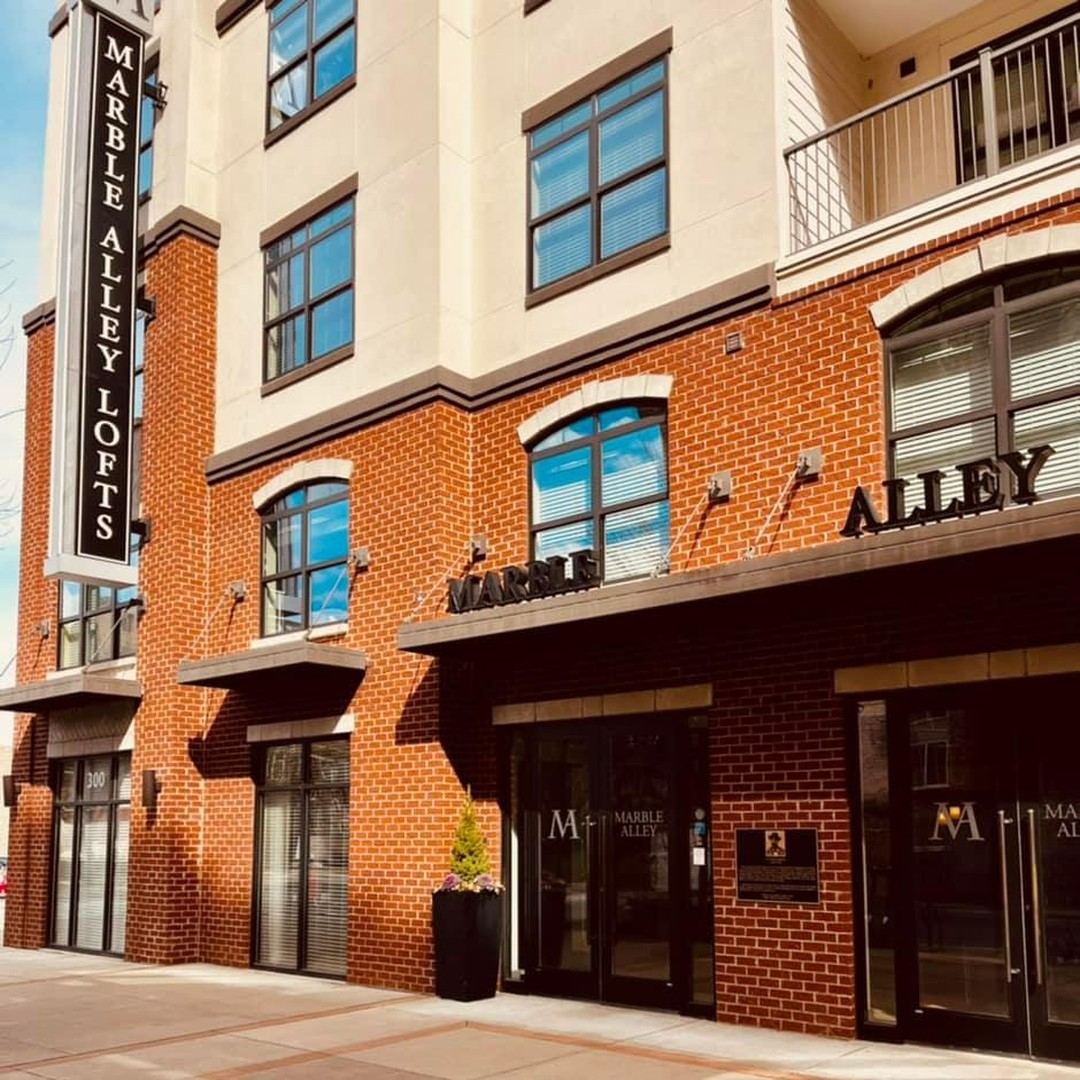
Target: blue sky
<point>24,62</point>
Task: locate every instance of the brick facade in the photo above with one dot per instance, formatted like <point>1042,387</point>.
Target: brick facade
<point>811,374</point>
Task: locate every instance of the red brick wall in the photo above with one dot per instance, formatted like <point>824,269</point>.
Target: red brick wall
<point>810,375</point>
<point>163,878</point>
<point>29,839</point>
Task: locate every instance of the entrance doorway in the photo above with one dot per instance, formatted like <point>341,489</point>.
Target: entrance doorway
<point>302,857</point>
<point>614,889</point>
<point>984,888</point>
<point>91,831</point>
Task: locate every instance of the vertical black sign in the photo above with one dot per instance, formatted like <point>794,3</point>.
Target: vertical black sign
<point>104,486</point>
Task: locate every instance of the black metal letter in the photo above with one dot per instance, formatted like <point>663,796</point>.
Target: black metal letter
<point>491,593</point>
<point>894,491</point>
<point>585,571</point>
<point>515,581</point>
<point>539,578</point>
<point>862,510</point>
<point>982,486</point>
<point>1025,474</point>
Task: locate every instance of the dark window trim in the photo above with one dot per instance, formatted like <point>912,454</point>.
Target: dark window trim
<point>309,303</point>
<point>306,114</point>
<point>115,610</point>
<point>303,570</point>
<point>599,266</point>
<point>230,12</point>
<point>596,440</point>
<point>656,246</point>
<point>1003,405</point>
<point>151,70</point>
<point>311,209</point>
<point>312,46</point>
<point>313,368</point>
<point>637,57</point>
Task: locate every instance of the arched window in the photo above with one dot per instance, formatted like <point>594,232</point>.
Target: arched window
<point>305,551</point>
<point>600,481</point>
<point>986,371</point>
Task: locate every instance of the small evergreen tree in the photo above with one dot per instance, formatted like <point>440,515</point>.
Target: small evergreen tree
<point>469,855</point>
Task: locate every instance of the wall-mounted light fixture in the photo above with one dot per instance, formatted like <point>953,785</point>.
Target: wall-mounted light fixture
<point>44,629</point>
<point>478,547</point>
<point>808,464</point>
<point>719,486</point>
<point>11,791</point>
<point>361,558</point>
<point>151,788</point>
<point>237,590</point>
<point>158,93</point>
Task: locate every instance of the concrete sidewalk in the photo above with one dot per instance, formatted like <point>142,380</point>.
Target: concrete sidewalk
<point>68,1016</point>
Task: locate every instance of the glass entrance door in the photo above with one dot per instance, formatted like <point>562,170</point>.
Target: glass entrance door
<point>987,844</point>
<point>91,823</point>
<point>1049,825</point>
<point>618,905</point>
<point>302,858</point>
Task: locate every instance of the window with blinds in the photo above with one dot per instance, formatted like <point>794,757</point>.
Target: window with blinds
<point>600,482</point>
<point>1002,375</point>
<point>598,182</point>
<point>302,857</point>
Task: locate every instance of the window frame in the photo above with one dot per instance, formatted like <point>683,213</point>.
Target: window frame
<point>303,569</point>
<point>305,57</point>
<point>115,610</point>
<point>1003,406</point>
<point>595,441</point>
<point>657,50</point>
<point>307,307</point>
<point>304,788</point>
<point>151,78</point>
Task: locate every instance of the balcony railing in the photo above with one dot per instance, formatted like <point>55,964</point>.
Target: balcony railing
<point>1000,109</point>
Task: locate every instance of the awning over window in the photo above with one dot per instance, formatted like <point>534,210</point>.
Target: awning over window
<point>266,666</point>
<point>65,691</point>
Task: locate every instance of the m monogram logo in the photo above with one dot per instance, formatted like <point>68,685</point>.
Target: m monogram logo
<point>955,818</point>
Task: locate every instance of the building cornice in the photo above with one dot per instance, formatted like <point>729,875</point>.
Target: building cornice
<point>230,12</point>
<point>38,317</point>
<point>58,21</point>
<point>745,292</point>
<point>182,221</point>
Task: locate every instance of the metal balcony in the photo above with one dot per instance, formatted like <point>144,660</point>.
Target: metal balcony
<point>1003,108</point>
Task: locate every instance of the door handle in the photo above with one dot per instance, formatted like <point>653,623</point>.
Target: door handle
<point>1036,899</point>
<point>1003,863</point>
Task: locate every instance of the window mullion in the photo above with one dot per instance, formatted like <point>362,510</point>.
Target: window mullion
<point>594,183</point>
<point>999,343</point>
<point>597,493</point>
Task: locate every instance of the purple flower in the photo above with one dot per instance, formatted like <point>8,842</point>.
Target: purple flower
<point>485,883</point>
<point>451,883</point>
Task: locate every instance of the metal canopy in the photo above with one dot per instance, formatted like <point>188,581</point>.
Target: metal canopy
<point>265,666</point>
<point>65,691</point>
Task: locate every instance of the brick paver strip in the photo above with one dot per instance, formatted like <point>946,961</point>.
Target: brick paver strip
<point>207,1033</point>
<point>309,1056</point>
<point>578,1042</point>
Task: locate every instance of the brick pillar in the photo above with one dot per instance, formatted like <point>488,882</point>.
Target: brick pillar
<point>163,876</point>
<point>26,919</point>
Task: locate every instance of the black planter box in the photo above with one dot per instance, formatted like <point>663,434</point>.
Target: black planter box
<point>467,928</point>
